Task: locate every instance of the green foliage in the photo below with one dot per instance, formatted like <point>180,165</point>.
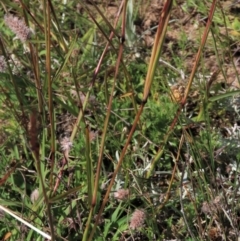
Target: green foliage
<point>157,117</point>
<point>65,122</point>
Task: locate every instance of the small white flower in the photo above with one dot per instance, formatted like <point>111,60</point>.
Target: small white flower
<point>34,195</point>
<point>66,144</point>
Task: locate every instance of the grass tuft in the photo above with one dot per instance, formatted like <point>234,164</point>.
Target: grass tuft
<point>119,121</point>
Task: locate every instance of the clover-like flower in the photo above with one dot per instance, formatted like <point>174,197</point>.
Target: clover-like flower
<point>121,194</point>
<point>137,219</point>
<point>18,27</point>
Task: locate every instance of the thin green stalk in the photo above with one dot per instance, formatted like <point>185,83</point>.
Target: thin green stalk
<point>36,71</point>
<point>47,26</point>
<point>87,228</point>
<point>13,80</point>
<point>49,81</point>
<point>34,62</point>
<point>198,56</point>
<point>62,41</point>
<point>158,43</point>
<point>152,67</point>
<point>83,107</point>
<point>105,200</point>
<point>106,122</point>
<point>90,176</point>
<point>80,116</point>
<point>100,158</point>
<point>113,32</point>
<point>183,102</point>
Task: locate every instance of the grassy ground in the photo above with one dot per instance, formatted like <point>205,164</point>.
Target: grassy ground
<point>117,126</point>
